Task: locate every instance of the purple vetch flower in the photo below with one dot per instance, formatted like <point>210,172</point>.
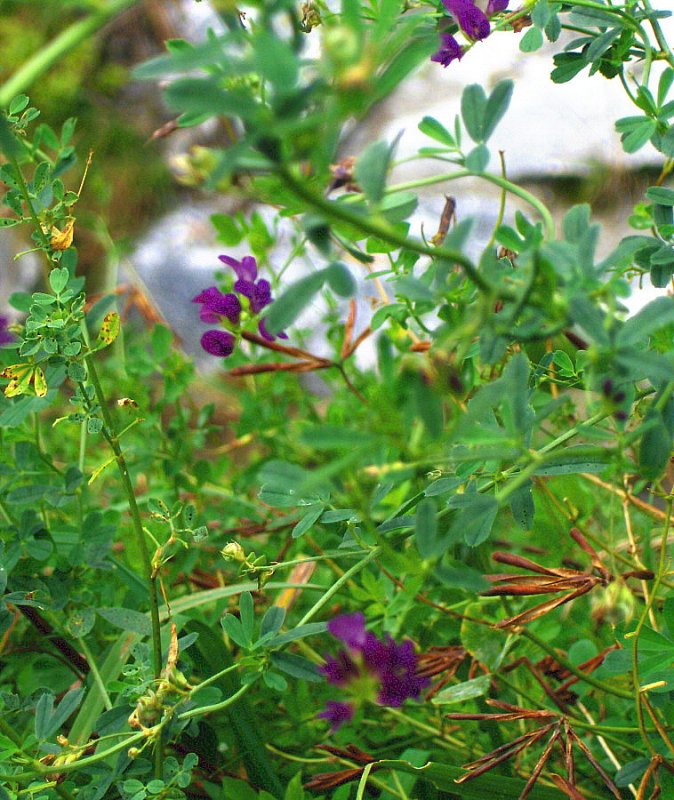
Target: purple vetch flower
<point>495,6</point>
<point>369,669</point>
<point>251,295</point>
<point>218,343</point>
<point>215,304</point>
<point>5,336</point>
<point>337,713</point>
<point>449,50</point>
<point>469,18</point>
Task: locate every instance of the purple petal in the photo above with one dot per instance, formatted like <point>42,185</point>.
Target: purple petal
<point>339,670</point>
<point>246,288</point>
<point>497,5</point>
<point>5,336</point>
<point>217,304</point>
<point>246,269</point>
<point>270,337</point>
<point>350,628</point>
<point>450,50</point>
<point>337,713</point>
<point>469,18</point>
<point>218,343</point>
<point>261,296</point>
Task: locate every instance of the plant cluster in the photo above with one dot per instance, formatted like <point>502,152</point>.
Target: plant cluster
<point>253,585</point>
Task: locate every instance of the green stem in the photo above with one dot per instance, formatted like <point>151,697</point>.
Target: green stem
<point>199,712</point>
<point>662,567</point>
<point>151,583</point>
<point>497,180</point>
<point>59,47</point>
<point>150,578</point>
<point>98,680</point>
<point>11,734</point>
<point>382,230</point>
<point>604,687</point>
<point>337,585</point>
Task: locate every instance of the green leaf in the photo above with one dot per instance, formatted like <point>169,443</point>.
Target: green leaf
<point>272,620</point>
<point>371,170</point>
<point>44,708</point>
<point>247,615</point>
<point>655,448</point>
<point>205,96</point>
<point>233,628</point>
<point>287,308</point>
<point>631,772</point>
<point>127,620</point>
<point>478,158</point>
<point>567,66</point>
<point>573,460</point>
<point>8,144</point>
<point>426,528</point>
<point>635,132</point>
<point>275,61</point>
<point>473,111</point>
<point>301,632</point>
<point>435,130</point>
<point>475,518</point>
<point>659,195</point>
<point>652,317</point>
<point>531,41</point>
<point>340,279</point>
<point>184,57</point>
<point>468,690</point>
<point>305,524</point>
<point>497,105</point>
<point>522,506</point>
<point>297,666</point>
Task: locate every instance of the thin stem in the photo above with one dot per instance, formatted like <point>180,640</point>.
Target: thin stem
<point>59,47</point>
<point>637,696</point>
<point>383,231</point>
<point>337,585</point>
<point>497,180</point>
<point>584,676</point>
<point>151,583</point>
<point>98,680</point>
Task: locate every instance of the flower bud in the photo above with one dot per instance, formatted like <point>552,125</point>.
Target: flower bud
<point>233,551</point>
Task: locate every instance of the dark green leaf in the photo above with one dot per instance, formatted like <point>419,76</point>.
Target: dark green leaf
<point>473,111</point>
<point>435,130</point>
<point>652,317</point>
<point>426,528</point>
<point>285,310</point>
<point>275,61</point>
<point>205,96</point>
<point>340,279</point>
<point>474,519</point>
<point>371,170</point>
<point>531,41</point>
<point>308,520</point>
<point>522,506</point>
<point>497,105</point>
<point>297,666</point>
<point>478,158</point>
<point>655,448</point>
<point>127,619</point>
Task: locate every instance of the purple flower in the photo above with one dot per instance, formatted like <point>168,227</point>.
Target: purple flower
<point>228,309</point>
<point>469,18</point>
<point>337,713</point>
<point>369,668</point>
<point>218,343</point>
<point>496,5</point>
<point>450,50</point>
<point>5,336</point>
<point>215,304</point>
